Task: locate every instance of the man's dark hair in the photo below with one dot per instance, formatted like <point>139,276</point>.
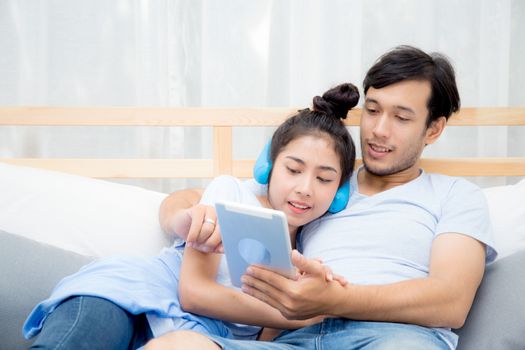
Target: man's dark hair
<point>410,63</point>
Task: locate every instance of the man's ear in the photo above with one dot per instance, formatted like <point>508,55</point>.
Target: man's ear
<point>434,130</point>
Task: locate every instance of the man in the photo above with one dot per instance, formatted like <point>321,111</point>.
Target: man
<point>413,246</point>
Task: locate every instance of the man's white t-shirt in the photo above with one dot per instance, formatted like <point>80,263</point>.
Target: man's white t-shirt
<point>387,237</point>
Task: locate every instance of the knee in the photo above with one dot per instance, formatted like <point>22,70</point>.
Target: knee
<point>159,343</point>
<point>410,342</point>
<point>181,340</point>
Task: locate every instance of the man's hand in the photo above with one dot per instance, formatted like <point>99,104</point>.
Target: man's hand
<point>310,294</point>
<point>198,226</point>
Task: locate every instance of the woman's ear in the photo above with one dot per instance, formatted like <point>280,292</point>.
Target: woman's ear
<point>434,130</point>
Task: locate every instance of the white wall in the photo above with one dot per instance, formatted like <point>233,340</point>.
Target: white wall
<point>241,53</point>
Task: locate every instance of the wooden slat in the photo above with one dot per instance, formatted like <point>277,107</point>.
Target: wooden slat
<point>187,116</point>
<point>495,116</point>
<point>204,168</point>
<point>139,116</point>
<point>243,168</point>
<point>222,119</point>
<point>123,168</point>
<point>222,150</point>
<point>509,166</point>
<point>449,166</point>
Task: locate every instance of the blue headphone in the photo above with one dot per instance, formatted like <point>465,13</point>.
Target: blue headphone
<point>261,173</point>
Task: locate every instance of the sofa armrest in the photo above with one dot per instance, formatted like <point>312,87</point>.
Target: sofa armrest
<point>497,317</point>
<point>28,272</point>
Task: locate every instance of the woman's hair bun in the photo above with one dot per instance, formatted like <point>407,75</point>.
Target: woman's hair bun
<point>337,101</point>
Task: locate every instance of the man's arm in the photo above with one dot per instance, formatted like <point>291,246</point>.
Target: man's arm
<point>443,299</point>
<point>174,204</point>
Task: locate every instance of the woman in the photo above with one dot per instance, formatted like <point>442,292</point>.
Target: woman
<point>122,302</point>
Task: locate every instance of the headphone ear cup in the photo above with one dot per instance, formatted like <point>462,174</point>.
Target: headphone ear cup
<point>263,165</point>
<point>341,198</point>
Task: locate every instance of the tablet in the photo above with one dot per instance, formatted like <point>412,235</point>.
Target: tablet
<point>254,235</point>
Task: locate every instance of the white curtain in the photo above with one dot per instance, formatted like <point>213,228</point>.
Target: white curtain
<point>241,53</point>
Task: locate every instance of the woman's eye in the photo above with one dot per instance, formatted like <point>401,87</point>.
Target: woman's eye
<point>323,180</point>
<point>293,171</point>
<point>371,110</point>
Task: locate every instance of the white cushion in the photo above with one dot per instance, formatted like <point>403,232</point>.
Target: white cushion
<point>100,218</point>
<point>507,213</point>
<point>80,214</point>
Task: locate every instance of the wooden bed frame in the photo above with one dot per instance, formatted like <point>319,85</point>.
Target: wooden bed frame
<point>222,120</point>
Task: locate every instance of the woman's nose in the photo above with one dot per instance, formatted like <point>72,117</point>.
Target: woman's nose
<point>304,186</point>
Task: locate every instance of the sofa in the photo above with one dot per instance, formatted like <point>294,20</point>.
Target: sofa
<point>52,223</point>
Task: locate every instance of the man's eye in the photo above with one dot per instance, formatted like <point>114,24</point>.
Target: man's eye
<point>371,110</point>
<point>402,118</point>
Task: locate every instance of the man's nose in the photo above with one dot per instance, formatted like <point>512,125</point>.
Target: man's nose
<point>382,126</point>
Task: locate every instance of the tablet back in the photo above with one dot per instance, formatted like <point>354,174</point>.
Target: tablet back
<point>254,235</point>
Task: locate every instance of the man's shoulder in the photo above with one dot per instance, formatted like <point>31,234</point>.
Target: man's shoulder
<point>446,184</point>
<point>454,192</point>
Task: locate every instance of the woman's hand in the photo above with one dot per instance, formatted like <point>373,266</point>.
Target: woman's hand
<point>198,226</point>
<point>329,275</point>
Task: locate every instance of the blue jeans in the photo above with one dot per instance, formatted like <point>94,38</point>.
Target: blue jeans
<point>338,333</point>
<point>85,322</point>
